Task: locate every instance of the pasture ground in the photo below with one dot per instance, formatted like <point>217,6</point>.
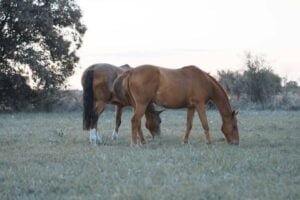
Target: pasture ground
<point>47,156</point>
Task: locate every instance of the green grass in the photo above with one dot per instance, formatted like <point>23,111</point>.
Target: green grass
<point>47,156</point>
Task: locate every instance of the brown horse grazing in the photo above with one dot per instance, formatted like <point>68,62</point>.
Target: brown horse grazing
<point>97,81</point>
<point>188,87</point>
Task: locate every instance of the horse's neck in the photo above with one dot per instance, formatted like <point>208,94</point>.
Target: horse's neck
<point>221,100</point>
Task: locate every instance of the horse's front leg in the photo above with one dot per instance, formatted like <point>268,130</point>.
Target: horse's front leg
<point>141,135</point>
<point>115,134</point>
<point>189,124</point>
<point>203,119</point>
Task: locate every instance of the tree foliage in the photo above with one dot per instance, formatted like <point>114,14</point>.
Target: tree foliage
<point>231,81</point>
<point>14,92</point>
<point>258,82</point>
<point>39,39</point>
<point>291,86</point>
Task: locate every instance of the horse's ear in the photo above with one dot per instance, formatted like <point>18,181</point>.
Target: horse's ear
<point>160,111</point>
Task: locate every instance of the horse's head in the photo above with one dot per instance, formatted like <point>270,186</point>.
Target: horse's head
<point>230,129</point>
<point>153,121</point>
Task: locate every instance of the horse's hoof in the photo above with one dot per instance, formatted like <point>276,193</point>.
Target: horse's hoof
<point>156,137</point>
<point>134,145</point>
<point>221,140</point>
<point>93,143</point>
<point>99,142</point>
<point>114,135</point>
<point>185,142</point>
<point>95,137</point>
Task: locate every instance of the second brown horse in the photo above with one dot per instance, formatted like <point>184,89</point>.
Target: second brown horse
<point>187,87</point>
<point>97,81</point>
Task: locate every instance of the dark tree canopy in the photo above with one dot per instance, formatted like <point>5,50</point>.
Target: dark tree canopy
<point>231,81</point>
<point>39,39</point>
<point>258,81</point>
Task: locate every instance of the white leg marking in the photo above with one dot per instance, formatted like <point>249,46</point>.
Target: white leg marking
<point>114,135</point>
<point>93,136</point>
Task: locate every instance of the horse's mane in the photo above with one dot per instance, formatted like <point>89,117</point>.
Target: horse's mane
<point>219,87</point>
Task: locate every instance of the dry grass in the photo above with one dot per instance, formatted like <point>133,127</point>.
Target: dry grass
<point>47,156</point>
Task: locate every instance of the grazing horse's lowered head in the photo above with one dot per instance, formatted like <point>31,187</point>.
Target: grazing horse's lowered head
<point>229,125</point>
<point>230,128</point>
<point>153,121</point>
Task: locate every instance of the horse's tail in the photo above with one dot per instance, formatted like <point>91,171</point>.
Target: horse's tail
<point>120,88</point>
<point>89,113</point>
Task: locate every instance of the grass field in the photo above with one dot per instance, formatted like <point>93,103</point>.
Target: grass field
<point>47,156</point>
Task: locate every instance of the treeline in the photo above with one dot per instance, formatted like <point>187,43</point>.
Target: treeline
<point>17,96</point>
<point>258,87</point>
<point>38,45</point>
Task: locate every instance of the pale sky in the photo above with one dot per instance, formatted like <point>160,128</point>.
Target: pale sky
<point>212,34</point>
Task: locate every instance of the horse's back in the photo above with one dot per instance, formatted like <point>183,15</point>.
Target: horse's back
<point>189,78</point>
<point>172,88</point>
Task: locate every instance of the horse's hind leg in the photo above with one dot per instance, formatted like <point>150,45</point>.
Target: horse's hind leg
<point>136,122</point>
<point>141,135</point>
<point>189,124</point>
<point>115,134</point>
<point>202,115</point>
<point>95,137</point>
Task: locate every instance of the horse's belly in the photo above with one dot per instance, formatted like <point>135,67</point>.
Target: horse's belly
<point>170,99</point>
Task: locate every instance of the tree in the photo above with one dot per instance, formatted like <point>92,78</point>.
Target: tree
<point>260,83</point>
<point>231,81</point>
<point>39,39</point>
<point>291,85</point>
